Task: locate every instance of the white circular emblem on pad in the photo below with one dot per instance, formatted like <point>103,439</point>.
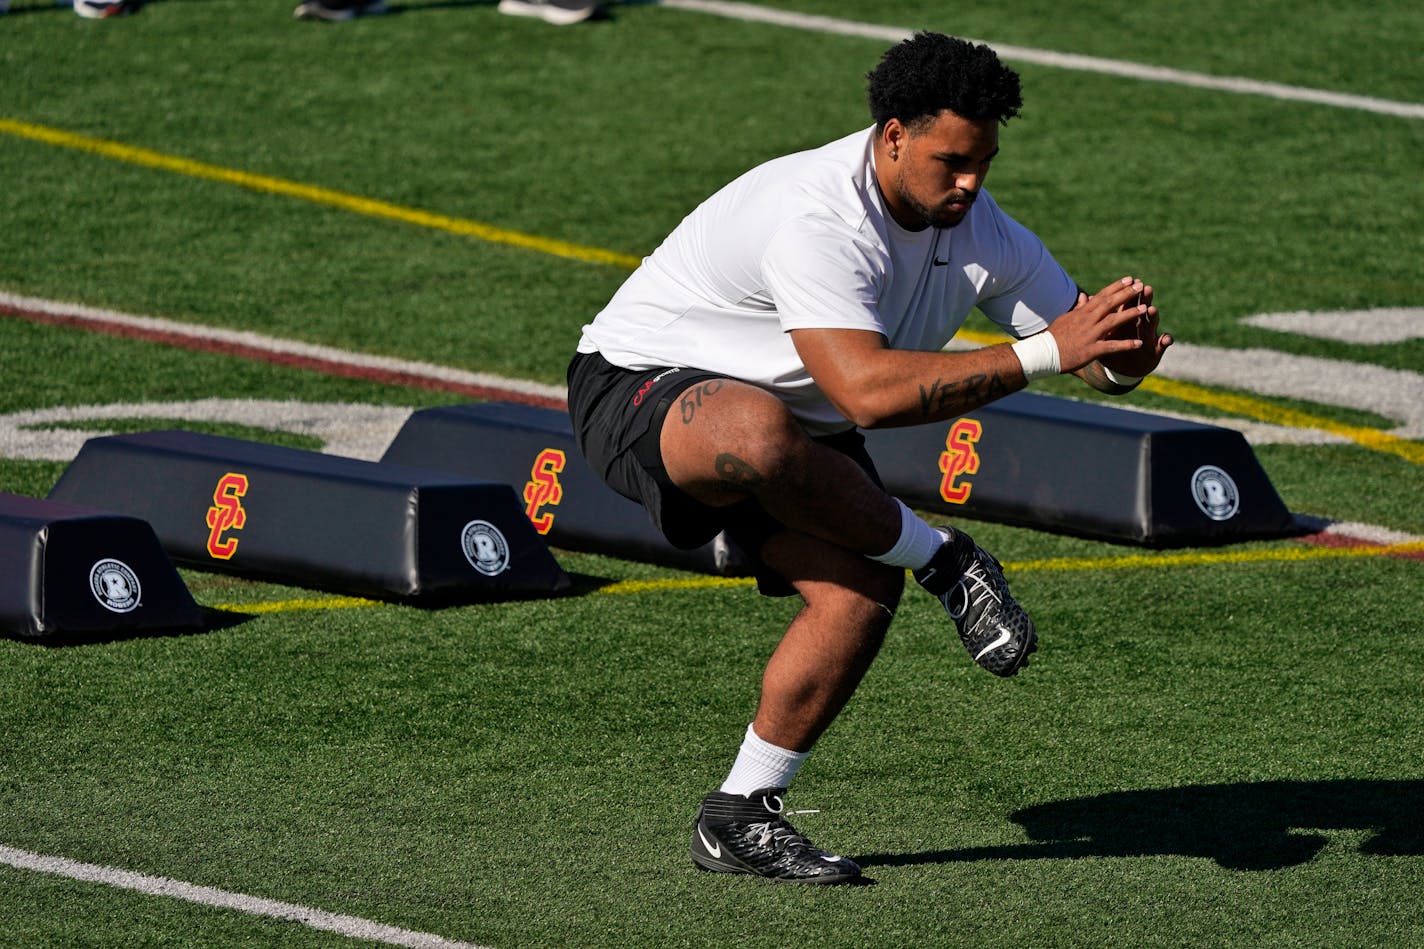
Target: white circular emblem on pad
<point>115,586</point>
<point>485,548</point>
<point>1215,493</point>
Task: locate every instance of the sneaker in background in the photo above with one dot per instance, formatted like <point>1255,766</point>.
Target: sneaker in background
<point>339,11</point>
<point>557,12</point>
<point>103,9</point>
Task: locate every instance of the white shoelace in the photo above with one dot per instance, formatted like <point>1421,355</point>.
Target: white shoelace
<point>975,574</point>
<point>778,832</point>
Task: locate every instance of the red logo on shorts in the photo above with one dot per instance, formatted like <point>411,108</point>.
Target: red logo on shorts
<point>638,399</point>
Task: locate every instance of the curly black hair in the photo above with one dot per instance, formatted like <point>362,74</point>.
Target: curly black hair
<point>930,72</point>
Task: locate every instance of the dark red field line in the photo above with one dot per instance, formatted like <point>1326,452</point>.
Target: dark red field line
<point>1328,539</point>
<point>293,360</point>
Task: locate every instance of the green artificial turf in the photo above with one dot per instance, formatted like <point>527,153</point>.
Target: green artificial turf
<point>1202,753</point>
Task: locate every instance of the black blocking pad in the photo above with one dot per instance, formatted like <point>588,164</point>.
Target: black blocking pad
<point>67,569</point>
<point>1086,469</point>
<point>309,519</point>
<point>533,449</point>
<point>1050,463</point>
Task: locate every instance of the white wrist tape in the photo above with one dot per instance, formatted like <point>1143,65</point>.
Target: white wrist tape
<point>1038,354</point>
<point>1119,378</point>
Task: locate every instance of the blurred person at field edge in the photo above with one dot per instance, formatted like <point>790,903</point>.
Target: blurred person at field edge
<point>95,9</point>
<point>557,12</point>
<point>723,384</point>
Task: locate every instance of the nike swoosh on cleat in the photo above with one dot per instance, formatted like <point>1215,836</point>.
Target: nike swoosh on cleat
<point>714,849</point>
<point>1004,637</point>
<point>830,859</point>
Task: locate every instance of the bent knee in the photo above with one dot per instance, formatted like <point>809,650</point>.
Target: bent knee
<point>883,586</point>
<point>732,436</point>
<point>862,588</point>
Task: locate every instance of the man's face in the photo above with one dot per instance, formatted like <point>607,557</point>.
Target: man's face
<point>938,168</point>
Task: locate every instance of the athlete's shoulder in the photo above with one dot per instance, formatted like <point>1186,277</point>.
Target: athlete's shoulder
<point>825,176</point>
<point>837,177</point>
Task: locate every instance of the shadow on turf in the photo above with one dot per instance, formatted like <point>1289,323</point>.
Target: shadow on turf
<point>581,584</point>
<point>213,621</point>
<point>1250,826</point>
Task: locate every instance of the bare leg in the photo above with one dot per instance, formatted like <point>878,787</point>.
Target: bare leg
<point>848,605</point>
<point>725,441</point>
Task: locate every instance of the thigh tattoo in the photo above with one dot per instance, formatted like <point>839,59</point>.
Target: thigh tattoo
<point>692,399</point>
<point>736,473</point>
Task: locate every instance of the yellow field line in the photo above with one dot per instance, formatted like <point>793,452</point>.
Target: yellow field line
<point>1128,562</point>
<point>1258,409</point>
<point>1371,438</point>
<point>660,586</point>
<point>1198,559</point>
<point>316,195</point>
<point>1187,392</point>
<point>287,606</point>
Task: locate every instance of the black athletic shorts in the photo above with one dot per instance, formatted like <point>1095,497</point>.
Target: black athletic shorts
<point>618,418</point>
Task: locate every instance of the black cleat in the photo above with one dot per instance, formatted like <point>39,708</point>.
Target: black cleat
<point>736,834</point>
<point>970,583</point>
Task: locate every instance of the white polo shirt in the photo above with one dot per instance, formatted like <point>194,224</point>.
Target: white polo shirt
<point>805,242</point>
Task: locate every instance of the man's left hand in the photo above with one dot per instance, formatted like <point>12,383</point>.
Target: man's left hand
<point>1139,362</point>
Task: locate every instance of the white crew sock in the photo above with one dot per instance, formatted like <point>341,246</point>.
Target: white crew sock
<point>917,544</point>
<point>761,764</point>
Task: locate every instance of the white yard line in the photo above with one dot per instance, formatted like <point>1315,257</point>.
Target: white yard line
<point>1356,532</point>
<point>1374,327</point>
<point>351,429</point>
<point>215,339</point>
<point>352,927</point>
<point>1396,394</point>
<point>752,13</point>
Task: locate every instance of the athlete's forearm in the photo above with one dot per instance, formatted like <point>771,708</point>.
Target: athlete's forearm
<point>933,387</point>
<point>877,387</point>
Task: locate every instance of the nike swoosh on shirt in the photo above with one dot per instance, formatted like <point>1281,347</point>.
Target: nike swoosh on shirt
<point>714,849</point>
<point>1004,637</point>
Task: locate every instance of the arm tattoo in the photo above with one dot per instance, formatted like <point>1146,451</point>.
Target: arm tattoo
<point>692,399</point>
<point>736,473</point>
<point>945,398</point>
<point>935,398</point>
